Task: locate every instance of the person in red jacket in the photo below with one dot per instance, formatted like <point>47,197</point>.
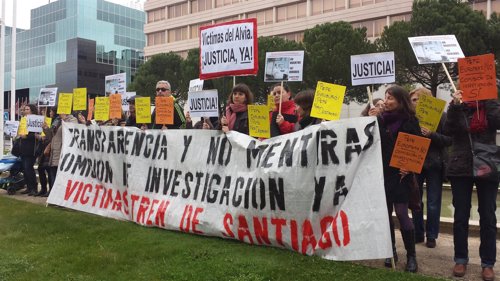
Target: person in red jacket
<point>283,123</point>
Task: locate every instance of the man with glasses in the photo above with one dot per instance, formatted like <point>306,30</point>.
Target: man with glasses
<point>163,89</point>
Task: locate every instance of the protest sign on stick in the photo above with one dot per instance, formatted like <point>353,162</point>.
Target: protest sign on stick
<point>11,128</point>
<point>101,109</point>
<point>429,110</point>
<point>258,121</point>
<point>409,152</point>
<point>79,99</point>
<point>91,109</point>
<point>65,103</point>
<point>35,123</point>
<point>47,97</point>
<point>229,48</point>
<point>164,110</point>
<point>115,84</point>
<point>284,66</point>
<point>115,106</point>
<point>328,100</point>
<point>478,77</point>
<point>376,68</point>
<point>204,103</point>
<point>23,126</point>
<point>143,110</point>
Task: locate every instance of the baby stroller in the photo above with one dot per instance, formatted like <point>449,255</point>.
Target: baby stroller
<point>11,174</point>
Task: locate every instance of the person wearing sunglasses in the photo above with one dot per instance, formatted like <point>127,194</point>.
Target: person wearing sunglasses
<point>283,123</point>
<point>163,89</point>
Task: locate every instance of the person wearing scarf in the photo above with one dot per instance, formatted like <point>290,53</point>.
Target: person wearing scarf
<point>236,118</point>
<point>303,102</point>
<point>399,116</point>
<point>283,123</point>
<point>480,120</point>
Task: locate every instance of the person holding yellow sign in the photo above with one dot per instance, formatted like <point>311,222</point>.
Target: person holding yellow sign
<point>433,175</point>
<point>28,158</point>
<point>236,118</point>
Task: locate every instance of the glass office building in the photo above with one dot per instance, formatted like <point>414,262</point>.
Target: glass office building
<point>75,44</point>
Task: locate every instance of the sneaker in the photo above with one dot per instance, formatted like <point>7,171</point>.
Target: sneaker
<point>459,270</point>
<point>488,274</point>
<point>431,243</point>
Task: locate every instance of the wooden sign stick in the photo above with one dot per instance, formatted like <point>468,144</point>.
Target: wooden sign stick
<point>449,77</point>
<point>281,96</point>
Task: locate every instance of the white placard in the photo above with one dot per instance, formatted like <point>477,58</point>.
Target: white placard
<point>284,66</point>
<point>203,103</point>
<point>47,97</point>
<point>11,128</point>
<point>436,49</point>
<point>196,85</point>
<point>282,192</point>
<point>229,49</point>
<point>35,123</point>
<point>115,84</point>
<point>125,97</point>
<point>375,68</point>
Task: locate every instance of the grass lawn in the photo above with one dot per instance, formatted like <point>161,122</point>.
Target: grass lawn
<point>39,243</point>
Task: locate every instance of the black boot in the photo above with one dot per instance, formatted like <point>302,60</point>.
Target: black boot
<point>387,262</point>
<point>411,255</point>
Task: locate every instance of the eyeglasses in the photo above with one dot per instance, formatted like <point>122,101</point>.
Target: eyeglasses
<point>162,89</point>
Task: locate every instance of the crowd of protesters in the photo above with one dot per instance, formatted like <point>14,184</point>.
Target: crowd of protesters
<point>465,124</point>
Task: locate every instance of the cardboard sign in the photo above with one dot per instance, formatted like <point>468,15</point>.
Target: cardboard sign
<point>196,85</point>
<point>478,77</point>
<point>35,123</point>
<point>47,97</point>
<point>436,49</point>
<point>115,106</point>
<point>101,109</point>
<point>429,111</point>
<point>65,103</point>
<point>328,100</point>
<point>91,109</point>
<point>125,104</point>
<point>409,152</point>
<point>79,99</point>
<point>229,48</point>
<point>23,126</point>
<point>284,66</point>
<point>270,102</point>
<point>203,104</point>
<point>115,84</point>
<point>143,110</point>
<point>164,110</point>
<point>376,68</point>
<point>48,121</point>
<point>11,128</point>
<point>258,121</point>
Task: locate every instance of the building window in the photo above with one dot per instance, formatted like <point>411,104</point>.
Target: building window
<point>177,34</point>
<point>367,2</point>
<point>200,5</point>
<point>354,3</point>
<point>339,5</point>
<point>177,10</point>
<point>263,17</point>
<point>156,15</point>
<point>221,3</point>
<point>379,26</point>
<point>227,19</point>
<point>195,28</point>
<point>156,38</point>
<point>291,12</point>
<point>367,24</point>
<point>296,36</point>
<point>321,6</point>
<point>405,17</point>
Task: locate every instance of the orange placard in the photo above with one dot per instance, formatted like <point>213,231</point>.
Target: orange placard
<point>91,109</point>
<point>409,152</point>
<point>164,110</point>
<point>478,77</point>
<point>115,106</point>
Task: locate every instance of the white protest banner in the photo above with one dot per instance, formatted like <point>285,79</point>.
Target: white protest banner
<point>35,123</point>
<point>375,68</point>
<point>203,103</point>
<point>195,85</point>
<point>125,97</point>
<point>229,48</point>
<point>436,49</point>
<point>318,191</point>
<point>47,97</point>
<point>11,127</point>
<point>284,66</point>
<point>115,84</point>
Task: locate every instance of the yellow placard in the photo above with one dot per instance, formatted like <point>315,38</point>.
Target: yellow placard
<point>48,121</point>
<point>429,111</point>
<point>328,100</point>
<point>80,99</point>
<point>143,110</point>
<point>101,109</point>
<point>23,126</point>
<point>64,104</point>
<point>270,102</point>
<point>258,121</point>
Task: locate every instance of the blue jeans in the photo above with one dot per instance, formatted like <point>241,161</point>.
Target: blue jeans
<point>434,188</point>
<point>486,194</point>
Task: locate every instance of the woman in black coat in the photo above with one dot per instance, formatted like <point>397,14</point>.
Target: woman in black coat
<point>236,118</point>
<point>28,158</point>
<point>398,116</point>
<point>479,120</point>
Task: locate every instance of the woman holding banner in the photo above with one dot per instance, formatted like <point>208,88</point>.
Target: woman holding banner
<point>399,116</point>
<point>303,105</point>
<point>283,117</point>
<point>236,118</point>
<point>470,123</point>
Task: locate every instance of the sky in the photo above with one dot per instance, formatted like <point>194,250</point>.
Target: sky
<point>24,8</point>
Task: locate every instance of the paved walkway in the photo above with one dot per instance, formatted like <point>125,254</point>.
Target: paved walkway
<point>437,262</point>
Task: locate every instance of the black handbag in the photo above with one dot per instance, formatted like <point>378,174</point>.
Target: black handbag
<point>16,147</point>
<point>415,200</point>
